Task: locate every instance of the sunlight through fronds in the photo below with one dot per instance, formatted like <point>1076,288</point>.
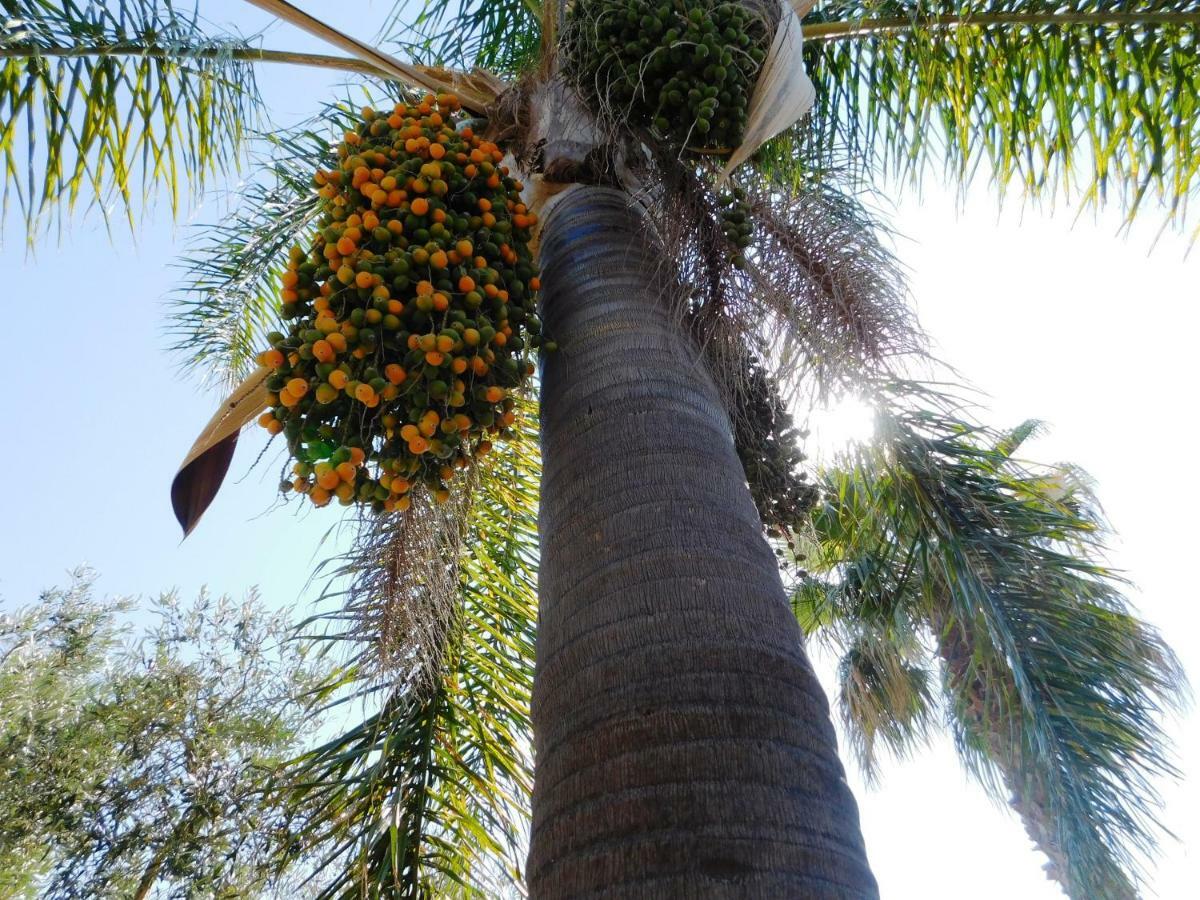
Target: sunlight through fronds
<point>1092,100</point>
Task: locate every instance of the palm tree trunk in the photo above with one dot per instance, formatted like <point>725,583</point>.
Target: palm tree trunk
<point>683,745</point>
<point>977,709</point>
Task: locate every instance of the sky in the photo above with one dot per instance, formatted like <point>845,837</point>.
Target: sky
<point>1052,317</point>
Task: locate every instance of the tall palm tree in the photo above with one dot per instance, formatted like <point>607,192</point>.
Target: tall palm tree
<point>682,744</point>
<point>937,548</point>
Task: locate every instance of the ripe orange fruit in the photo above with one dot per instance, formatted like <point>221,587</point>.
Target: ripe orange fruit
<point>272,359</point>
<point>323,351</point>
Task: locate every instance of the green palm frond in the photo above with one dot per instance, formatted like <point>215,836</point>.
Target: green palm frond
<point>106,101</point>
<point>1096,100</point>
<point>885,695</point>
<point>503,36</point>
<point>428,795</point>
<point>229,300</point>
<point>1054,690</point>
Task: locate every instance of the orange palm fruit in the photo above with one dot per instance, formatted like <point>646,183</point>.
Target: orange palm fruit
<point>272,358</point>
<point>323,351</point>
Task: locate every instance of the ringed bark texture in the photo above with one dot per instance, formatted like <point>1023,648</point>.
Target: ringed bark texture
<point>683,746</point>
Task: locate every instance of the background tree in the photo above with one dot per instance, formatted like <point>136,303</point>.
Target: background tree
<point>138,764</point>
<point>818,301</point>
<point>939,559</point>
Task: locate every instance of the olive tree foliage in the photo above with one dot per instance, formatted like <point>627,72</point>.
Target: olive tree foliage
<point>137,746</point>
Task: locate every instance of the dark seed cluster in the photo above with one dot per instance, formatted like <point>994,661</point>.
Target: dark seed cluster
<point>684,68</point>
<point>768,445</point>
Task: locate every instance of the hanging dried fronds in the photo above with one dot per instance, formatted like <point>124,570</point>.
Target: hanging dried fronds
<point>402,586</point>
<point>814,292</point>
<point>885,696</point>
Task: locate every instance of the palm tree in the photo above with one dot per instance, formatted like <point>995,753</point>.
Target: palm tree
<point>937,548</point>
<point>682,744</point>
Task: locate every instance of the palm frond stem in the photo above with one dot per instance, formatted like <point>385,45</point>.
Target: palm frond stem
<point>842,30</point>
<point>416,75</point>
<point>239,54</point>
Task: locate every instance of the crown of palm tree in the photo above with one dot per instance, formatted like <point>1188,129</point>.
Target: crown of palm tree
<point>936,549</point>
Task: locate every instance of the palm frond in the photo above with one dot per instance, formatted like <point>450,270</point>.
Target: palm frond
<point>228,300</point>
<point>1093,100</point>
<point>884,695</point>
<point>428,795</point>
<point>816,295</point>
<point>1055,690</point>
<point>146,100</point>
<point>503,36</point>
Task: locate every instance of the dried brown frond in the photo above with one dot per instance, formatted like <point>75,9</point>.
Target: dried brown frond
<point>402,585</point>
<point>819,297</point>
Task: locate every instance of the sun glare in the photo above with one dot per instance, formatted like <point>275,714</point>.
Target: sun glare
<point>838,426</point>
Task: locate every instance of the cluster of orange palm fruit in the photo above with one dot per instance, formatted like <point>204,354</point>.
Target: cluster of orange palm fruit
<point>411,313</point>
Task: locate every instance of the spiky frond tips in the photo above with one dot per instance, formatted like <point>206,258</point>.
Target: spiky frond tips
<point>103,101</point>
<point>428,796</point>
<point>1094,99</point>
<point>503,36</point>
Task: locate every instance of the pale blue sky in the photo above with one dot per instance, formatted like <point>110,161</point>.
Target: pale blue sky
<point>1069,324</point>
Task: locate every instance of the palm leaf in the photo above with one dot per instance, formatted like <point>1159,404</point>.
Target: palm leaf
<point>1053,689</point>
<point>1092,100</point>
<point>228,301</point>
<point>111,102</point>
<point>428,796</point>
<point>503,36</point>
<point>885,694</point>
